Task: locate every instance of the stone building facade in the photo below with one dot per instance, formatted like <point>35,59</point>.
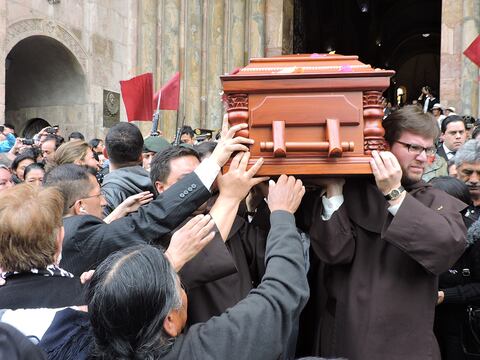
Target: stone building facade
<point>63,59</point>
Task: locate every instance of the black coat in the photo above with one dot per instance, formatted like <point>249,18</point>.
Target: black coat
<point>31,291</point>
<point>88,240</point>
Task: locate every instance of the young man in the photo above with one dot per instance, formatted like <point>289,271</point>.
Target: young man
<point>384,242</point>
<point>454,135</point>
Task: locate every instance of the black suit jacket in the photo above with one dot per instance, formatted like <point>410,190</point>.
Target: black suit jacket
<point>88,240</point>
<point>432,102</point>
<point>441,152</point>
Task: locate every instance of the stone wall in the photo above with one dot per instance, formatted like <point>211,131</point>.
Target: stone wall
<point>459,77</point>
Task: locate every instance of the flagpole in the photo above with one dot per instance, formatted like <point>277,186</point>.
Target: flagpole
<point>156,117</point>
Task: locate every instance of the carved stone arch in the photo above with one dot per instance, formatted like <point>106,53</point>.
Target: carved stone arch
<point>23,29</point>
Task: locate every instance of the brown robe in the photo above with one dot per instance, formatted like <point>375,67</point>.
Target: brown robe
<point>381,270</point>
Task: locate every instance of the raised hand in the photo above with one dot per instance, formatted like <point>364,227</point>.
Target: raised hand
<point>130,204</point>
<point>189,240</point>
<point>228,144</point>
<point>286,194</point>
<point>238,181</point>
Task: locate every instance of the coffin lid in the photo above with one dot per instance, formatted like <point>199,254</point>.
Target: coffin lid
<point>307,65</point>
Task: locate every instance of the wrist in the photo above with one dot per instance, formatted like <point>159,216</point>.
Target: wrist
<point>174,261</point>
<point>334,190</point>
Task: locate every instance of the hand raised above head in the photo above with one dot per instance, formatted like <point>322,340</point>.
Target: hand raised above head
<point>228,144</point>
<point>286,194</point>
<point>189,240</point>
<point>238,181</point>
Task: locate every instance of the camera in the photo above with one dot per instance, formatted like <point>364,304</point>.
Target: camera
<point>51,130</point>
<point>2,128</point>
<point>28,141</point>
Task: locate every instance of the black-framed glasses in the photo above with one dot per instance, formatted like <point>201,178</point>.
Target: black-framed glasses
<point>417,149</point>
<point>86,197</point>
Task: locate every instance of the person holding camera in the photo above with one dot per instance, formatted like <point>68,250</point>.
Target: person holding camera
<point>7,138</point>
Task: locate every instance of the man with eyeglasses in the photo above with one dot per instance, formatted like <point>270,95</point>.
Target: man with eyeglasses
<point>384,240</point>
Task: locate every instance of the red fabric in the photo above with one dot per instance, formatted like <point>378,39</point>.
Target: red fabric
<point>473,51</point>
<point>137,94</point>
<point>170,94</point>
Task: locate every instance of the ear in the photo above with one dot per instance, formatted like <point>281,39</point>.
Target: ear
<point>169,324</point>
<point>159,186</point>
<point>77,208</point>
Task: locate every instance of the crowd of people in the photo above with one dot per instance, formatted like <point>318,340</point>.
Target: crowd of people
<point>133,248</point>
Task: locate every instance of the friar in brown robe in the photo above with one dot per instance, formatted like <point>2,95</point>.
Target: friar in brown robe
<point>384,249</point>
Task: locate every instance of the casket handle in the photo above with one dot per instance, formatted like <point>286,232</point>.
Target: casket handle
<point>333,145</point>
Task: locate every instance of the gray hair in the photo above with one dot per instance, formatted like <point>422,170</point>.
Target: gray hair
<point>468,153</point>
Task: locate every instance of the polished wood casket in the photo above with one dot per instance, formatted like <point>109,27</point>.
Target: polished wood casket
<point>318,114</point>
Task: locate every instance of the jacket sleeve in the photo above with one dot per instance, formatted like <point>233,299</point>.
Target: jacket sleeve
<point>259,326</point>
<point>162,215</point>
<point>433,235</point>
<point>332,240</point>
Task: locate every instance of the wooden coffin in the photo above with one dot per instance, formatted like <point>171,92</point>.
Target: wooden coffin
<point>316,114</point>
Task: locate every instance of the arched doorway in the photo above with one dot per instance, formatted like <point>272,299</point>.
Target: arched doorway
<point>33,126</point>
<point>43,80</point>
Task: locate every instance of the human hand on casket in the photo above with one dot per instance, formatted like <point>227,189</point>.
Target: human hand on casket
<point>228,144</point>
<point>286,194</point>
<point>237,182</point>
<point>387,171</point>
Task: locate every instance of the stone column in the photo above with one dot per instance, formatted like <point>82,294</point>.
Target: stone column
<point>451,53</point>
<point>469,75</point>
<point>256,29</point>
<point>3,43</point>
<point>171,49</point>
<point>146,45</point>
<point>279,27</point>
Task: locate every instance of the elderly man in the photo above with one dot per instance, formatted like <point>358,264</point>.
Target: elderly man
<point>467,163</point>
<point>6,180</point>
<point>384,242</point>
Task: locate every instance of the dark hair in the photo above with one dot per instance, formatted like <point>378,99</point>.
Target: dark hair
<point>124,143</point>
<point>19,158</point>
<point>428,89</point>
<point>410,118</point>
<point>452,186</point>
<point>59,140</point>
<point>186,129</point>
<point>94,143</point>
<point>475,132</point>
<point>34,166</point>
<point>450,119</point>
<point>10,126</point>
<point>76,135</point>
<point>160,165</point>
<point>205,148</point>
<point>72,180</point>
<point>131,293</point>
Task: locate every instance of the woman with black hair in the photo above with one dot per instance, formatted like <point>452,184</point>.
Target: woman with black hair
<point>459,287</point>
<point>34,174</point>
<point>19,164</point>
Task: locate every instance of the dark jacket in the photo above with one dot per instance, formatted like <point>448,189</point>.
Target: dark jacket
<point>31,291</point>
<point>88,240</point>
<point>461,286</point>
<point>256,328</point>
<point>381,270</point>
<point>122,183</point>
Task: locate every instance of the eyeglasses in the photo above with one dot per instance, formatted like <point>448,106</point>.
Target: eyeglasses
<point>86,197</point>
<point>417,149</point>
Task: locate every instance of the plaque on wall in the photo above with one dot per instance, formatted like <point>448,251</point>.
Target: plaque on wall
<point>318,114</point>
<point>111,108</point>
